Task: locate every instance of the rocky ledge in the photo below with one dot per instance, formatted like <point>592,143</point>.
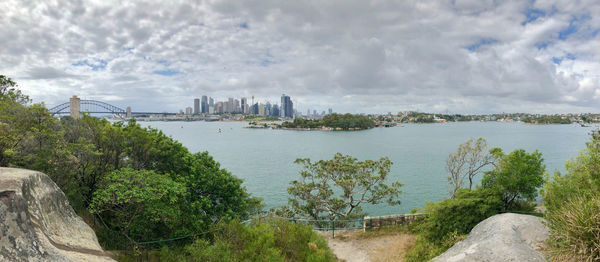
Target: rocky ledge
<point>38,224</point>
<point>505,237</point>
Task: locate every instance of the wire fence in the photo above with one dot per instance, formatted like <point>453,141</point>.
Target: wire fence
<point>364,223</point>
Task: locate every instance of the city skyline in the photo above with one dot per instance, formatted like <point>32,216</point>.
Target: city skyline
<point>433,56</point>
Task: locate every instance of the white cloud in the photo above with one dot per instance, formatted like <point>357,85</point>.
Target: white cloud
<point>354,56</point>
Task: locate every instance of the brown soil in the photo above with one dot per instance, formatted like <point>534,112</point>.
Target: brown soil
<point>350,246</point>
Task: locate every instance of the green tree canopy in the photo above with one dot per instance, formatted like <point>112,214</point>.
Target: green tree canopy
<point>336,188</point>
<point>517,176</point>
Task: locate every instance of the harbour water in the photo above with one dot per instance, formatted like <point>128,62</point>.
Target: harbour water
<point>264,158</point>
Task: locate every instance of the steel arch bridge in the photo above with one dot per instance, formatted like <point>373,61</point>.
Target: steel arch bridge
<point>88,106</point>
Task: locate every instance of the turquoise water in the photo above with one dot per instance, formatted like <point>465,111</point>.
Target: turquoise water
<point>264,158</point>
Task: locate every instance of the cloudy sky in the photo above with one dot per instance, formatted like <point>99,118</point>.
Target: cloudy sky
<point>457,56</point>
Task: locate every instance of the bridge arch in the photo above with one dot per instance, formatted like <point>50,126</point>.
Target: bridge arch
<point>88,106</point>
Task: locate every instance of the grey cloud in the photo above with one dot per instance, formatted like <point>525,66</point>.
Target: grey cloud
<point>380,55</point>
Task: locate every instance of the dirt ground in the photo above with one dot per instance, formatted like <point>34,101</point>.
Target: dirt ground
<point>348,245</point>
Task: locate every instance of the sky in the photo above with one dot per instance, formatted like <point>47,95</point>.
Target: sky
<point>356,56</point>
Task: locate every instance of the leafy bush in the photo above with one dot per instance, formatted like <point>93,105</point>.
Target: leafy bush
<point>572,205</point>
<point>275,240</point>
<point>517,177</point>
<point>576,229</point>
<point>458,215</point>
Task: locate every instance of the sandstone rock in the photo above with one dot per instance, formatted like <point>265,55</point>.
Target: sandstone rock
<point>505,237</point>
<point>38,224</point>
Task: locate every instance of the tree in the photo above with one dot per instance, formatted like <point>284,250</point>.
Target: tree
<point>356,182</point>
<point>9,92</point>
<point>140,204</point>
<point>470,159</point>
<point>517,176</point>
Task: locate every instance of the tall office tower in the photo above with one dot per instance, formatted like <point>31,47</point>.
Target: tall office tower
<point>244,105</point>
<point>330,110</point>
<point>287,107</point>
<point>237,106</point>
<point>275,110</point>
<point>219,108</point>
<point>230,105</point>
<point>308,112</point>
<point>261,110</point>
<point>268,109</point>
<point>196,106</point>
<point>226,107</point>
<point>211,102</point>
<point>315,113</point>
<point>204,104</point>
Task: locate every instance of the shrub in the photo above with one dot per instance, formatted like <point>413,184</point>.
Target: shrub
<point>458,215</point>
<point>275,240</point>
<point>575,229</point>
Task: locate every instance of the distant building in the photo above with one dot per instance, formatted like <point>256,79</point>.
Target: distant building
<point>275,110</point>
<point>287,107</point>
<point>188,111</point>
<point>230,105</point>
<point>204,105</point>
<point>244,105</point>
<point>219,108</point>
<point>211,102</point>
<point>330,111</point>
<point>128,112</point>
<point>196,106</point>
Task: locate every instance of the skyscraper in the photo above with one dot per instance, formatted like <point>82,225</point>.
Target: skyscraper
<point>204,105</point>
<point>196,106</point>
<point>243,106</point>
<point>287,107</point>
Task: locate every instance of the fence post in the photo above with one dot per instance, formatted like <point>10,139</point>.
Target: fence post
<point>332,229</point>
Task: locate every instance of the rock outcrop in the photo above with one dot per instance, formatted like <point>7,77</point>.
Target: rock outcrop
<point>505,237</point>
<point>38,224</point>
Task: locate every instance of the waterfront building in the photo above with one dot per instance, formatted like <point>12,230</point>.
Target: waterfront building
<point>275,110</point>
<point>237,108</point>
<point>188,111</point>
<point>204,105</point>
<point>211,102</point>
<point>287,107</point>
<point>196,106</point>
<point>219,108</point>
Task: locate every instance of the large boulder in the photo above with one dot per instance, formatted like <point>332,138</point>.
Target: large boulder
<point>504,237</point>
<point>38,224</point>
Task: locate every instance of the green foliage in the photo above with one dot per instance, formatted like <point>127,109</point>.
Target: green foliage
<point>575,229</point>
<point>141,204</point>
<point>425,250</point>
<point>458,215</point>
<point>274,240</point>
<point>517,176</point>
<point>547,119</point>
<point>572,204</point>
<point>356,182</point>
<point>341,121</point>
<point>470,159</point>
<point>139,180</point>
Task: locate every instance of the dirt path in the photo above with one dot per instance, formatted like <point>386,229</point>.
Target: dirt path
<point>349,247</point>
